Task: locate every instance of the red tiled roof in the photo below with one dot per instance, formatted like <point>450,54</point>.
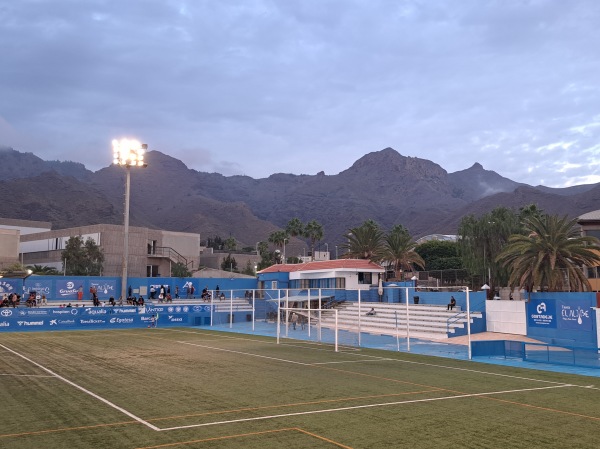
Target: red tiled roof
<point>339,264</point>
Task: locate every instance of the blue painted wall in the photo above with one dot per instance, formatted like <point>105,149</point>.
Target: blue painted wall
<point>563,318</point>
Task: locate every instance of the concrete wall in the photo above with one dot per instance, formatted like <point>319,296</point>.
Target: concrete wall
<point>508,317</point>
<point>42,248</point>
<point>9,247</point>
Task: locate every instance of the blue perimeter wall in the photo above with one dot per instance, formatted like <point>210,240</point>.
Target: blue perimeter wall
<point>565,319</point>
<point>64,289</point>
<point>88,318</point>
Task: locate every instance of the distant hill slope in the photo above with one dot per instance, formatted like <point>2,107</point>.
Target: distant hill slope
<point>383,185</point>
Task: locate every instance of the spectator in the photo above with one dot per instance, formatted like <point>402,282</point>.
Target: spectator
<point>451,304</point>
<point>371,312</point>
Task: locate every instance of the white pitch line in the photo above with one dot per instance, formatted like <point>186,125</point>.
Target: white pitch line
<point>509,376</point>
<point>350,361</point>
<point>356,407</point>
<point>94,395</point>
<point>244,353</point>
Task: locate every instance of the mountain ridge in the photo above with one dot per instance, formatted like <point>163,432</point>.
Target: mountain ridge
<point>383,185</point>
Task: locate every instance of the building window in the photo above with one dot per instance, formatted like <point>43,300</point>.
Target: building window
<point>364,278</point>
<point>151,271</point>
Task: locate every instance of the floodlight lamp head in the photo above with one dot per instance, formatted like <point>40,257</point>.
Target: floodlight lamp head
<point>129,153</point>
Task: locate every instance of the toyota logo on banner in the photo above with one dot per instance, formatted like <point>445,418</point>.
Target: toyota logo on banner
<point>6,313</point>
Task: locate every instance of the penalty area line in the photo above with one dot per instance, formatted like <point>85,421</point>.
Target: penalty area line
<point>85,390</point>
<point>356,407</point>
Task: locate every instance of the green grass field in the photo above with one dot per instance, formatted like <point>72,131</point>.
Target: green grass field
<point>193,389</point>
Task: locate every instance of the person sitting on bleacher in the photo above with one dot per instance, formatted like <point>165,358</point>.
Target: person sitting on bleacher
<point>371,312</point>
<point>452,303</point>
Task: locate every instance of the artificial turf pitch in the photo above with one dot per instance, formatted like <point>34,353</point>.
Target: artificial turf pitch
<point>193,389</point>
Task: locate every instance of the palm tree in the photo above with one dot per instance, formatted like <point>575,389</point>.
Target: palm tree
<point>278,239</point>
<point>295,227</point>
<point>400,251</point>
<point>365,242</point>
<point>550,256</point>
<point>314,232</point>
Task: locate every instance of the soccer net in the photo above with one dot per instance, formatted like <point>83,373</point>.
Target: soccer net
<point>307,324</point>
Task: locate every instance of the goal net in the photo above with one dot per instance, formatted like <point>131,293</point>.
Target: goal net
<point>307,324</point>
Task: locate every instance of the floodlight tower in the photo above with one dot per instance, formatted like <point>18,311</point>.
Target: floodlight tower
<point>127,153</point>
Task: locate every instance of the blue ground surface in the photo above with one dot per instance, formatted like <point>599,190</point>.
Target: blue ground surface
<point>391,343</point>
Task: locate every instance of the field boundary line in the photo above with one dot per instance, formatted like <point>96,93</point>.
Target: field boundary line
<point>85,390</point>
<point>356,352</point>
<point>244,353</point>
<point>357,407</point>
<point>307,345</point>
<point>295,404</point>
<point>241,435</point>
<point>353,361</point>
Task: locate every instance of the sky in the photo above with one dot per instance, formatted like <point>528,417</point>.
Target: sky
<point>257,87</point>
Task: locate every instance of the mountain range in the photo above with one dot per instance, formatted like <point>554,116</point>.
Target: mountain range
<point>383,185</point>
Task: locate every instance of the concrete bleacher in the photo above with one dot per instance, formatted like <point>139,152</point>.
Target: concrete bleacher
<point>425,321</point>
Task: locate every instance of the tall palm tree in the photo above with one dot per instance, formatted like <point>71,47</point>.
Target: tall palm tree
<point>400,251</point>
<point>295,227</point>
<point>314,232</point>
<point>278,238</point>
<point>365,242</point>
<point>551,255</point>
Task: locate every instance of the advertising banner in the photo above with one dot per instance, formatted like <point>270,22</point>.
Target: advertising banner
<point>40,287</point>
<point>542,313</point>
<point>575,315</point>
<point>66,289</point>
<point>105,288</point>
<point>10,286</point>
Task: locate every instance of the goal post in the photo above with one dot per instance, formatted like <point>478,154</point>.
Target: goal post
<point>298,323</point>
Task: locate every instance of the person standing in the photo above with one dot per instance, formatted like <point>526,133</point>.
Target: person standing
<point>176,292</point>
<point>294,320</point>
<point>80,293</point>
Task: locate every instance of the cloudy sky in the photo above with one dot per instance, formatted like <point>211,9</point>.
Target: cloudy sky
<point>258,87</point>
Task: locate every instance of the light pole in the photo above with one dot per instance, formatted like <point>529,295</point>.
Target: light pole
<point>336,253</point>
<point>127,153</point>
<point>327,250</point>
<point>284,259</point>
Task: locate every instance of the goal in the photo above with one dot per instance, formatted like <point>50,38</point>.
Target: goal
<point>305,324</point>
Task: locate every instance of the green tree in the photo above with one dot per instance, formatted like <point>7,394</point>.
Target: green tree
<point>179,270</point>
<point>229,263</point>
<point>399,249</point>
<point>82,258</point>
<point>43,270</point>
<point>551,255</point>
<point>230,244</point>
<point>295,228</point>
<point>440,255</point>
<point>215,242</point>
<point>278,238</point>
<point>366,241</point>
<point>313,231</point>
<point>481,241</point>
<point>249,270</point>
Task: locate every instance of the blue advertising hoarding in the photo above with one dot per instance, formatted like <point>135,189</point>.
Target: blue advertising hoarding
<point>542,313</point>
<point>66,289</point>
<point>575,315</point>
<point>80,318</point>
<point>39,286</point>
<point>9,286</point>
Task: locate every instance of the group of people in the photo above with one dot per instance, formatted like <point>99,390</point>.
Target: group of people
<point>296,319</point>
<point>10,300</point>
